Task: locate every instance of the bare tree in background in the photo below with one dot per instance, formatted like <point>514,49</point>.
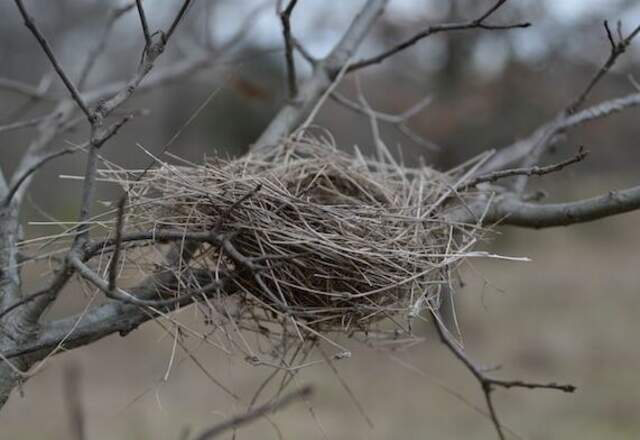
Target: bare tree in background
<point>28,338</point>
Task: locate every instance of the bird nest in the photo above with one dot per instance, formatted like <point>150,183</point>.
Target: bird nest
<point>308,238</point>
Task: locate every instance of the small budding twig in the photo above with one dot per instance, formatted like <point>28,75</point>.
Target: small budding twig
<point>528,171</point>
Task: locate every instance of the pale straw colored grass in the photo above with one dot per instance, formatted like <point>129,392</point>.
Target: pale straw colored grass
<point>345,244</point>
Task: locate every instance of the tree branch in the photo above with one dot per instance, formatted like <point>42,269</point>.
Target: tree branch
<point>143,23</point>
<point>177,19</point>
<point>25,89</point>
<point>256,413</point>
<point>94,54</point>
<point>488,383</point>
<point>39,163</point>
<point>30,24</point>
<point>509,210</point>
<point>477,23</point>
<point>114,316</point>
<point>285,19</point>
<point>529,171</point>
<point>546,133</point>
<point>617,49</point>
<point>312,89</point>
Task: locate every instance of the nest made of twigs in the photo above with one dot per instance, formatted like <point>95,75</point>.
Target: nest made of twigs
<point>334,241</point>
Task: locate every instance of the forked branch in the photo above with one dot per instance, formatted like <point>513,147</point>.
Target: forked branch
<point>488,383</point>
<point>478,23</point>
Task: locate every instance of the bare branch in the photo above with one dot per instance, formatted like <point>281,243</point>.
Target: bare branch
<point>73,400</point>
<point>115,258</point>
<point>114,316</point>
<point>304,52</point>
<point>540,144</point>
<point>30,24</point>
<point>256,413</point>
<point>23,301</point>
<point>98,138</point>
<point>32,169</point>
<point>93,55</point>
<point>176,20</point>
<point>285,17</point>
<point>530,171</point>
<point>128,298</point>
<point>477,23</point>
<point>509,210</point>
<point>143,23</point>
<point>617,49</point>
<point>25,89</point>
<point>23,124</point>
<point>37,147</point>
<point>313,88</point>
<point>400,121</point>
<point>547,133</point>
<point>488,383</point>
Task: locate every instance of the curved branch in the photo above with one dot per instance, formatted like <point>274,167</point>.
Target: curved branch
<point>508,210</point>
<point>546,133</point>
<point>477,23</point>
<point>106,319</point>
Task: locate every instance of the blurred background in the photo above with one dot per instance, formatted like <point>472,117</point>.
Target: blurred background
<point>570,315</point>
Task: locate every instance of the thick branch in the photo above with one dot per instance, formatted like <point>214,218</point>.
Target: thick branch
<point>312,89</point>
<point>509,210</point>
<point>115,316</point>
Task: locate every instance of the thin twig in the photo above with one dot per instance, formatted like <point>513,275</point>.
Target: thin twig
<point>32,92</point>
<point>285,19</point>
<point>488,383</point>
<point>254,414</point>
<point>143,23</point>
<point>547,133</point>
<point>176,20</point>
<point>115,258</point>
<point>94,54</point>
<point>529,171</point>
<point>31,25</point>
<point>477,23</point>
<point>33,168</point>
<point>616,49</point>
<point>23,124</point>
<point>73,399</point>
<point>400,120</point>
<point>292,115</point>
